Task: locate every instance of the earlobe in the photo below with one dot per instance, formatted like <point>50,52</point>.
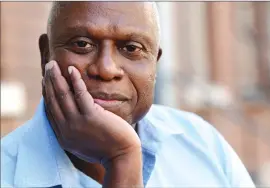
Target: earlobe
<point>44,51</point>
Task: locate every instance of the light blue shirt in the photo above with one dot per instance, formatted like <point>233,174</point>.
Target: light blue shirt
<point>179,149</point>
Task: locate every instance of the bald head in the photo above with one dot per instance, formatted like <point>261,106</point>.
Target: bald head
<point>148,8</point>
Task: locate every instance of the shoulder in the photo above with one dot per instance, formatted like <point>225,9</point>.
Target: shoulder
<point>166,113</point>
<point>194,128</point>
<point>198,132</point>
<point>206,138</point>
<point>189,123</point>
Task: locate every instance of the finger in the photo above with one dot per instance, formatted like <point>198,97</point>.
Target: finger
<point>55,126</point>
<point>50,101</point>
<point>62,92</point>
<point>82,96</point>
<point>53,123</point>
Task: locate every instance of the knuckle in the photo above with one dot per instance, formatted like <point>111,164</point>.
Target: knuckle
<point>62,95</point>
<point>46,80</point>
<point>52,75</point>
<point>79,94</point>
<point>50,100</point>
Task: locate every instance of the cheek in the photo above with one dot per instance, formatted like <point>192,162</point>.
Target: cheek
<point>65,58</point>
<point>143,82</point>
<point>145,92</point>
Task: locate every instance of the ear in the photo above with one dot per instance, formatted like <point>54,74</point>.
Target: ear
<point>44,51</point>
<point>159,54</point>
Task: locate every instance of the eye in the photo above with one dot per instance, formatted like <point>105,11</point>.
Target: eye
<point>82,44</point>
<point>132,47</point>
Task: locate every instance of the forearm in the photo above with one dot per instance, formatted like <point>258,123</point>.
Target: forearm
<point>125,172</point>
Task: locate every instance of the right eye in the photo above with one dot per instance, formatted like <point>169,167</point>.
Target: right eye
<point>82,46</point>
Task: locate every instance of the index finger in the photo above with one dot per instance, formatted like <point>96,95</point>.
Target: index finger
<point>82,96</point>
<point>62,92</point>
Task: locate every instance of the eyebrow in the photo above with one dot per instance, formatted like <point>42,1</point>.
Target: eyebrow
<point>117,33</point>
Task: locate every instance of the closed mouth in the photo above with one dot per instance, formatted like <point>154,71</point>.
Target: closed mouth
<point>109,100</point>
<point>109,97</point>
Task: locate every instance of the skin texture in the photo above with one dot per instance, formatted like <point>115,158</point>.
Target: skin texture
<point>111,52</point>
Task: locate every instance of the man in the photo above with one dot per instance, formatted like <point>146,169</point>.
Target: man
<point>96,125</point>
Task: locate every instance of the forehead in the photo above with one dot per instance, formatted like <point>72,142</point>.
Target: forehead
<point>110,17</point>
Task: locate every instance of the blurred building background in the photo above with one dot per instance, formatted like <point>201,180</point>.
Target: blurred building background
<point>216,63</point>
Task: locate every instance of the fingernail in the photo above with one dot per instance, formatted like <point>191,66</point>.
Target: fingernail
<point>49,65</point>
<point>70,69</point>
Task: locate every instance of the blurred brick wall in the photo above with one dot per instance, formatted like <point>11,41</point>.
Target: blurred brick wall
<point>21,25</point>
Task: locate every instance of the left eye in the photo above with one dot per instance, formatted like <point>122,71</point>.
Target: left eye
<point>132,48</point>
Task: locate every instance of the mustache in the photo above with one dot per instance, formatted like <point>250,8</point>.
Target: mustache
<point>109,95</point>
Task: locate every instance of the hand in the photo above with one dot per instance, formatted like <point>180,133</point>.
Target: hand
<point>83,127</point>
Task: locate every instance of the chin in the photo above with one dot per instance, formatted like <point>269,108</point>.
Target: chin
<point>139,113</point>
<point>122,112</point>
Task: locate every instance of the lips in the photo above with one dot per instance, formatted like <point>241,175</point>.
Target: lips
<point>106,96</point>
<point>109,100</point>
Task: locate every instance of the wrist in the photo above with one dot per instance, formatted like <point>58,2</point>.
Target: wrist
<point>125,171</point>
<point>124,157</point>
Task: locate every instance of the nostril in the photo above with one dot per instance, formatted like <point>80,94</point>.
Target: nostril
<point>118,78</point>
<point>94,77</point>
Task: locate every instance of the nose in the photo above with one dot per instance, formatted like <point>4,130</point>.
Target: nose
<point>105,68</point>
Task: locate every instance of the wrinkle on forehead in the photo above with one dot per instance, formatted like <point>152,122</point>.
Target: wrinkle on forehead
<point>149,9</point>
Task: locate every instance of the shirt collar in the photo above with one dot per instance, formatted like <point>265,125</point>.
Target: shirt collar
<point>41,160</point>
<point>36,166</point>
<point>156,127</point>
